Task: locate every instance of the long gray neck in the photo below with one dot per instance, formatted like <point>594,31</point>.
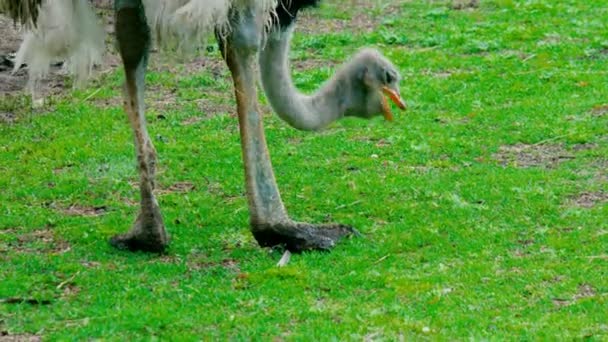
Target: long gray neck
<point>303,112</point>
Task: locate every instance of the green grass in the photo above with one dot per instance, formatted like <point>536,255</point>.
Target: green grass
<point>461,242</point>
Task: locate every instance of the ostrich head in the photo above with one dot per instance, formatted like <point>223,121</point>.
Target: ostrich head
<point>373,79</point>
<point>358,88</point>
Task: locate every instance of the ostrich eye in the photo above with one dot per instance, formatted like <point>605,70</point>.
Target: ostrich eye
<point>389,76</point>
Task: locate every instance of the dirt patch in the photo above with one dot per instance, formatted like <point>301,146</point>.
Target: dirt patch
<point>584,291</point>
<point>551,39</point>
<point>90,264</point>
<point>595,170</point>
<point>310,23</point>
<point>192,120</point>
<point>442,74</point>
<point>312,63</point>
<point>590,199</point>
<point>537,155</point>
<point>80,210</point>
<point>42,240</point>
<point>215,106</point>
<point>460,5</point>
<point>584,147</point>
<point>560,302</point>
<point>600,110</point>
<point>5,336</point>
<point>189,64</point>
<point>10,36</point>
<point>179,187</point>
<point>15,82</point>
<point>161,99</point>
<point>70,290</point>
<point>517,54</point>
<point>600,175</point>
<point>364,18</point>
<point>228,264</point>
<point>596,54</point>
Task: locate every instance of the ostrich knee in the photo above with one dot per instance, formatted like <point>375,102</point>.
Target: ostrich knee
<point>246,32</point>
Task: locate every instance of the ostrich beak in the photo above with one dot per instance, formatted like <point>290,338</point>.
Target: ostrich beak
<point>394,96</point>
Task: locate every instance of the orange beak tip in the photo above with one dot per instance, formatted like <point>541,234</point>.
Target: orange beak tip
<point>386,110</point>
<point>402,105</point>
<point>395,97</point>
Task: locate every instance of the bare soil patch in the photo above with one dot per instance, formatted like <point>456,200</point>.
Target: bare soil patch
<point>517,54</point>
<point>537,155</point>
<point>460,5</point>
<point>596,54</point>
<point>600,110</point>
<point>310,23</point>
<point>5,336</point>
<point>10,36</point>
<point>590,199</point>
<point>228,264</point>
<point>584,291</point>
<point>42,240</point>
<point>80,210</point>
<point>11,83</point>
<point>596,170</point>
<point>192,120</point>
<point>365,18</point>
<point>601,168</point>
<point>584,147</point>
<point>161,99</point>
<point>312,63</point>
<point>9,44</point>
<point>179,187</point>
<point>213,102</point>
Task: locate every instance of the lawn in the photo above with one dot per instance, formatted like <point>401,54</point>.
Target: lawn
<point>483,208</point>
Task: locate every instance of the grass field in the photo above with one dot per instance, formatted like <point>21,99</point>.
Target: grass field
<point>483,208</point>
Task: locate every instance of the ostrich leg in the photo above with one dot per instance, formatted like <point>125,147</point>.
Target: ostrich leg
<point>133,35</point>
<point>270,223</point>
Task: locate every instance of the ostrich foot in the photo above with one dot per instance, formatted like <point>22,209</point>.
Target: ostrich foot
<point>148,234</point>
<point>299,236</point>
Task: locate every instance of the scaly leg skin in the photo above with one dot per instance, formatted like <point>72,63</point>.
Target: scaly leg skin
<point>270,223</point>
<point>133,35</point>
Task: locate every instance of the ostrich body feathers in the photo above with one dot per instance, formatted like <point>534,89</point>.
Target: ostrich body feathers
<point>187,23</point>
<point>65,30</point>
<point>69,30</point>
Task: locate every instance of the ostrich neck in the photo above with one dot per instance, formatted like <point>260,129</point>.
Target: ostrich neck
<point>303,112</point>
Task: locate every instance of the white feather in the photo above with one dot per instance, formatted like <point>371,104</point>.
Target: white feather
<point>186,23</point>
<point>67,30</point>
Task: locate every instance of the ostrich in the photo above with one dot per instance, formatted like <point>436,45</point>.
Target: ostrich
<point>249,32</point>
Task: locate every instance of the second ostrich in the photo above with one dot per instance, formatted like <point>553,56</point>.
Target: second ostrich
<point>250,32</point>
